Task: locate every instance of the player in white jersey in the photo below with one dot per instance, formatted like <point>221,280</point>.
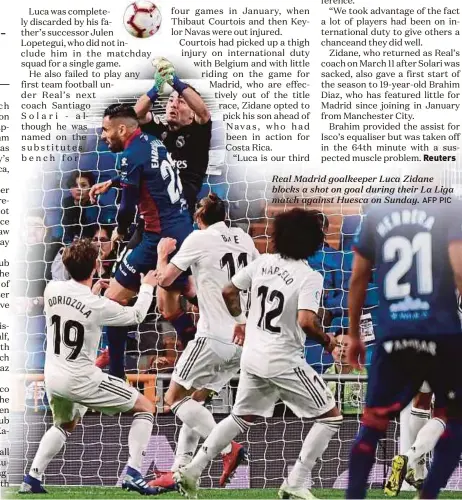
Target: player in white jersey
<point>285,295</point>
<point>74,318</point>
<point>214,254</point>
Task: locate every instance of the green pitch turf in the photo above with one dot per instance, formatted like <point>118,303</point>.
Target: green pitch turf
<point>107,493</point>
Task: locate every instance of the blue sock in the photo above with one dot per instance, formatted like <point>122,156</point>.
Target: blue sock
<point>133,472</point>
<point>116,340</point>
<point>184,327</point>
<point>446,457</point>
<point>362,458</point>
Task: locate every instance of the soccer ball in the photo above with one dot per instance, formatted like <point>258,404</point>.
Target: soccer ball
<point>142,19</point>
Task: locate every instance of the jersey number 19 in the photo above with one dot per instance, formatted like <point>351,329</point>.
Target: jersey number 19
<point>70,334</point>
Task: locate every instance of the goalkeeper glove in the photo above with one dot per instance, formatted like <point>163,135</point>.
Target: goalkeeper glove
<point>159,82</point>
<point>167,70</point>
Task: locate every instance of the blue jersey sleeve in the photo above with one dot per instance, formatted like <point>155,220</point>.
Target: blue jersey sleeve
<point>130,181</point>
<point>364,242</point>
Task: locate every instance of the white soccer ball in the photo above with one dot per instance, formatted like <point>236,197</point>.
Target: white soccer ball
<point>142,19</point>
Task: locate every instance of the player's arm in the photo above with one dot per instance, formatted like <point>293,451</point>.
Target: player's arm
<point>192,98</point>
<point>130,184</point>
<point>189,253</point>
<point>144,103</point>
<point>359,282</point>
<point>231,292</point>
<point>308,305</point>
<point>114,314</point>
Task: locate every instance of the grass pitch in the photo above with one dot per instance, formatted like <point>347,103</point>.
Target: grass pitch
<point>82,492</point>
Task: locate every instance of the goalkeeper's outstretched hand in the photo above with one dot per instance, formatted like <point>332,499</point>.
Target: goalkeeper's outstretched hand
<point>166,70</point>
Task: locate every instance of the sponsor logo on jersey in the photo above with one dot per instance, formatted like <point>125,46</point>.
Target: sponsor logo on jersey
<point>415,344</point>
<point>180,141</point>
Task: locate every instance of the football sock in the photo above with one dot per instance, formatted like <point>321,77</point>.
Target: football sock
<point>417,419</point>
<point>50,445</point>
<point>313,447</point>
<point>116,340</point>
<point>186,447</point>
<point>426,439</point>
<point>222,434</point>
<point>362,457</point>
<point>195,416</point>
<point>446,457</point>
<point>184,327</point>
<point>138,439</point>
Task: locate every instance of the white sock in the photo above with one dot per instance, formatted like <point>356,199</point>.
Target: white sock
<point>195,416</point>
<point>138,439</point>
<point>222,434</point>
<point>50,445</point>
<point>417,419</point>
<point>426,439</point>
<point>313,447</point>
<point>185,447</point>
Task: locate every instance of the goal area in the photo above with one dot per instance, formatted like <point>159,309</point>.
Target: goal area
<point>96,453</point>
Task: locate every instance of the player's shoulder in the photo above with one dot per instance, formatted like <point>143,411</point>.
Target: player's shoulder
<point>304,274</point>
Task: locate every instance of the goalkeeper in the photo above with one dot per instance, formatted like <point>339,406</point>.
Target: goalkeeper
<point>187,132</point>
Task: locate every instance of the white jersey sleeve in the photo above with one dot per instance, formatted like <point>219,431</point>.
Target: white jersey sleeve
<point>310,293</point>
<point>114,314</point>
<point>190,252</point>
<point>243,279</point>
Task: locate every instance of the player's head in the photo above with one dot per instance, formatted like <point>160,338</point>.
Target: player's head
<point>79,184</point>
<point>297,234</point>
<point>178,113</point>
<point>210,210</point>
<point>79,259</point>
<point>119,123</point>
<point>102,241</point>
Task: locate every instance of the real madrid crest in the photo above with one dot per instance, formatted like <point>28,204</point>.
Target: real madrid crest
<point>180,141</point>
<point>163,136</point>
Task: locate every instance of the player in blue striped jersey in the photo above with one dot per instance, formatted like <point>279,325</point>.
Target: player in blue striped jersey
<point>417,253</point>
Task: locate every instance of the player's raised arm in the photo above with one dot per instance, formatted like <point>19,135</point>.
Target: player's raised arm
<point>145,102</point>
<point>192,98</point>
<point>114,314</point>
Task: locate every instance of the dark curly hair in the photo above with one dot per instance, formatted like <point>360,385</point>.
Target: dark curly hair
<point>298,233</point>
<point>79,259</point>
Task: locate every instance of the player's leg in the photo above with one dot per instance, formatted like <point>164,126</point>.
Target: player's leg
<point>169,305</point>
<point>394,377</point>
<point>446,380</point>
<point>139,257</point>
<point>425,433</point>
<point>188,439</point>
<point>111,395</point>
<point>197,368</point>
<point>227,356</point>
<point>186,446</point>
<point>306,394</point>
<point>66,416</point>
<point>255,397</point>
